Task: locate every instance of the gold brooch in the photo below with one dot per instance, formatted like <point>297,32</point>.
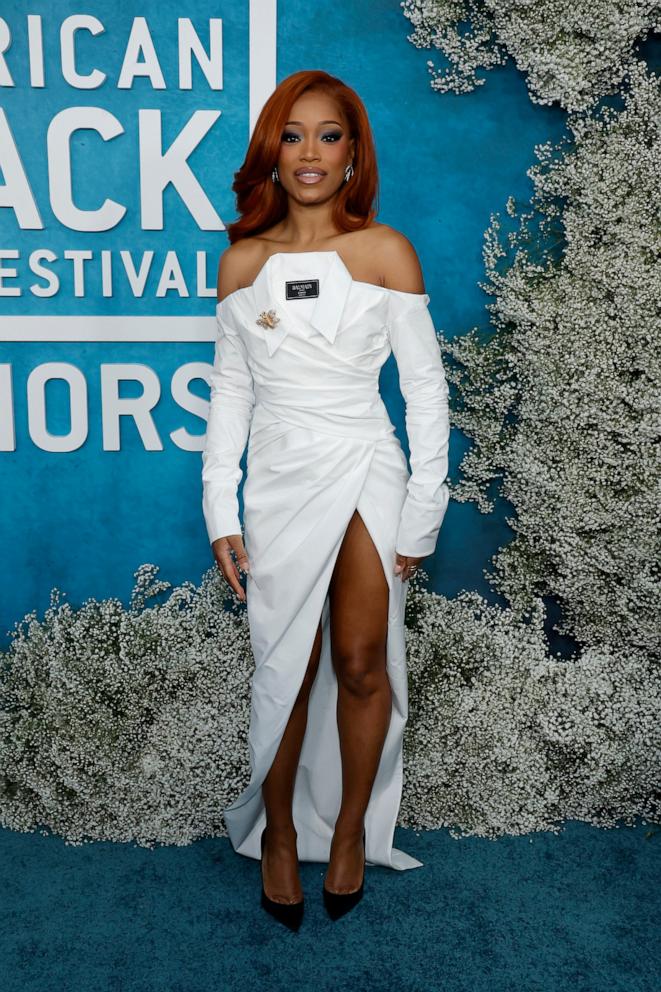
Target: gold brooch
<point>267,318</point>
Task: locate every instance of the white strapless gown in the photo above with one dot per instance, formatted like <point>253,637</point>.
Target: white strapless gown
<point>321,445</point>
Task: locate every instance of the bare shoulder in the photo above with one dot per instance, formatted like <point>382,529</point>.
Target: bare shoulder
<point>397,260</point>
<point>238,265</point>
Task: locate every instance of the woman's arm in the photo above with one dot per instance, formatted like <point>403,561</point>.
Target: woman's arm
<point>424,388</point>
<point>232,400</point>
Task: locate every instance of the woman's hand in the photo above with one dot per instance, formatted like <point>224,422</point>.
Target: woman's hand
<point>405,566</point>
<point>222,548</point>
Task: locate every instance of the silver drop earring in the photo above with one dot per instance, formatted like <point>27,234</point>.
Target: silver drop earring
<point>348,172</point>
<point>274,174</point>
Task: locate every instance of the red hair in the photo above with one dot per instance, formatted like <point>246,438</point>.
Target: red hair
<point>260,202</point>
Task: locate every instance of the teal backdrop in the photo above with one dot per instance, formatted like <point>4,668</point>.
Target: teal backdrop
<point>84,520</point>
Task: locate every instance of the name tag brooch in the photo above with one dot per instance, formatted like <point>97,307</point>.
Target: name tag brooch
<point>301,289</point>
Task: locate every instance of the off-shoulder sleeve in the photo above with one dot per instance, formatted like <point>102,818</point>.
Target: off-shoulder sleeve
<point>231,404</point>
<point>424,388</point>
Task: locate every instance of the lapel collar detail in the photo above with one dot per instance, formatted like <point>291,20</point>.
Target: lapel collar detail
<point>334,286</point>
<point>333,294</point>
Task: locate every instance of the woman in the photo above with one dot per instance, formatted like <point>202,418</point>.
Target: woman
<point>313,294</point>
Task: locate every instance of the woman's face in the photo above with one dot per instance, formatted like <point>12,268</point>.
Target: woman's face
<point>315,140</point>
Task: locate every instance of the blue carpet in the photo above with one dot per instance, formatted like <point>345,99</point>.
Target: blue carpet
<point>577,911</point>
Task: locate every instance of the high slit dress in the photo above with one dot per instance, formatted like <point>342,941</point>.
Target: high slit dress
<point>302,389</point>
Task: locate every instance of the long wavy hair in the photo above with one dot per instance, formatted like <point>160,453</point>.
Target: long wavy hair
<point>261,203</point>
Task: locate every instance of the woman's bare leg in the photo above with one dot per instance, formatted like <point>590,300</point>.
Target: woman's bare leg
<point>359,626</point>
<point>280,867</point>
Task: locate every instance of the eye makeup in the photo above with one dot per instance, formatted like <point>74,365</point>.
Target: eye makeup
<point>332,135</point>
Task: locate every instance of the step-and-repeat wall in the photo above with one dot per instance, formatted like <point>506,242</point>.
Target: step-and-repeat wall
<point>121,125</point>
